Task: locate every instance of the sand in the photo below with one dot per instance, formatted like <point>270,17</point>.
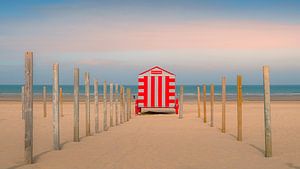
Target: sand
<point>156,141</point>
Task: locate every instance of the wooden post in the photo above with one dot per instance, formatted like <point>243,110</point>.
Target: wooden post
<point>45,100</point>
<point>223,104</point>
<point>28,107</point>
<point>111,91</point>
<point>199,100</point>
<point>121,104</point>
<point>76,105</point>
<point>181,103</point>
<point>116,105</point>
<point>267,112</point>
<point>239,107</point>
<point>22,100</point>
<point>105,126</point>
<point>204,103</point>
<point>55,108</point>
<point>96,102</point>
<point>124,105</point>
<point>128,103</point>
<point>87,104</point>
<point>212,104</point>
<point>61,101</point>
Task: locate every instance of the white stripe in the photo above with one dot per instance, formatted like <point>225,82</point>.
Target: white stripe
<point>172,83</point>
<point>171,97</point>
<point>172,105</point>
<point>140,97</point>
<point>156,91</point>
<point>141,90</point>
<point>141,83</point>
<point>149,91</point>
<point>172,90</point>
<point>163,91</point>
<point>141,104</point>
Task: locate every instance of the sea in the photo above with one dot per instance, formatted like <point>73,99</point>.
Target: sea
<point>251,90</point>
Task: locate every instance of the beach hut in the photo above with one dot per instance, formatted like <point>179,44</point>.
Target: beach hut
<point>156,89</point>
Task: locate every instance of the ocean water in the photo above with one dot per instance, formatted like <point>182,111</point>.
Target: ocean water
<point>256,90</point>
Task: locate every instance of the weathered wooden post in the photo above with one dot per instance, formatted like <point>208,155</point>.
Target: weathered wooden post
<point>61,101</point>
<point>121,104</point>
<point>124,105</point>
<point>223,104</point>
<point>199,100</point>
<point>87,103</point>
<point>267,112</point>
<point>45,100</point>
<point>204,103</point>
<point>239,107</point>
<point>76,105</point>
<point>105,126</point>
<point>128,103</point>
<point>96,101</point>
<point>212,104</point>
<point>55,108</point>
<point>22,100</point>
<point>116,105</point>
<point>28,107</point>
<point>181,103</point>
<point>111,91</point>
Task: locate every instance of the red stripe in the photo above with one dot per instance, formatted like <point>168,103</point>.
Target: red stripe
<point>156,72</point>
<point>171,87</point>
<point>159,91</point>
<point>172,80</point>
<point>141,94</point>
<point>141,80</point>
<point>145,91</point>
<point>172,101</point>
<point>152,91</point>
<point>141,87</point>
<point>167,90</point>
<point>171,94</point>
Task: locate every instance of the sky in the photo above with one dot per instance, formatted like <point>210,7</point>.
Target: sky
<point>198,40</point>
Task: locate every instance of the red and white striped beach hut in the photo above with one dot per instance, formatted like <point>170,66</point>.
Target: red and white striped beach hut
<point>156,89</point>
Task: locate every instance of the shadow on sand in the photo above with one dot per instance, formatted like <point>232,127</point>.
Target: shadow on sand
<point>157,113</point>
<point>17,166</point>
<point>35,159</point>
<point>258,148</point>
<point>232,135</point>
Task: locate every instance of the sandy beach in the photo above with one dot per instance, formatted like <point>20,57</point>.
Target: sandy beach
<point>149,54</point>
<point>154,141</point>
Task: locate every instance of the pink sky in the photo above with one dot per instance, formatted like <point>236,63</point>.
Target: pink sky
<point>214,38</point>
<point>158,36</point>
<point>230,35</point>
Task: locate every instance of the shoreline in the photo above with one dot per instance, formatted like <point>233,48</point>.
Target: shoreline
<point>187,98</point>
